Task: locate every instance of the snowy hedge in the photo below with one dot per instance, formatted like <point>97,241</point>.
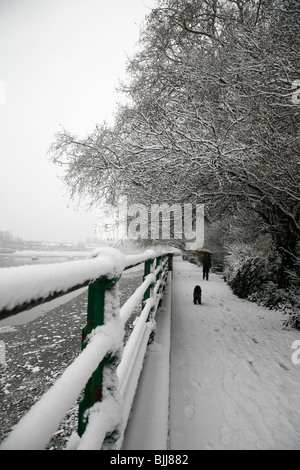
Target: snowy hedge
<point>253,275</point>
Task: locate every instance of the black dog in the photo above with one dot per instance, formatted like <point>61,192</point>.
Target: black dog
<point>197,295</point>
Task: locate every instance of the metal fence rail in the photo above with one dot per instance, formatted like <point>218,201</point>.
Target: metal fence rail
<point>108,371</point>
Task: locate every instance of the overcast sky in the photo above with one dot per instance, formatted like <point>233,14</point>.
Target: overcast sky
<point>60,62</point>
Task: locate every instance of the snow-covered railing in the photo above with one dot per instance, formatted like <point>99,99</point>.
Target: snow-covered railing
<point>108,371</point>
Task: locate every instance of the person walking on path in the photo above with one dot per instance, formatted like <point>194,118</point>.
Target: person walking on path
<point>206,265</point>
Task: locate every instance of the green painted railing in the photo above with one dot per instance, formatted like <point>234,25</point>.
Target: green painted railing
<point>108,371</point>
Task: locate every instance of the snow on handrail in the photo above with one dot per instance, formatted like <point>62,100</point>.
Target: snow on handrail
<point>127,309</point>
<point>135,260</point>
<point>125,366</point>
<point>44,417</point>
<point>129,369</point>
<point>24,287</point>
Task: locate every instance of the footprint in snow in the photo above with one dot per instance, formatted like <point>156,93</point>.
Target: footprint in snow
<point>252,366</point>
<point>203,385</point>
<point>225,436</point>
<point>181,361</point>
<point>283,366</point>
<point>188,404</point>
<point>206,383</point>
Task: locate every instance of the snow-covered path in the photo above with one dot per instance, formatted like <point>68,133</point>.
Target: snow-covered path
<point>233,384</point>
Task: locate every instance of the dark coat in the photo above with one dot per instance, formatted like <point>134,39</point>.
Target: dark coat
<point>206,261</point>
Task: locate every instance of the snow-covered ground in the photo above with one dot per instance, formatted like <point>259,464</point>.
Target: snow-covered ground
<point>233,383</point>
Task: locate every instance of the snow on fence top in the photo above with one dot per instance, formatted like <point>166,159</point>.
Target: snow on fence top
<point>29,285</point>
<point>45,415</point>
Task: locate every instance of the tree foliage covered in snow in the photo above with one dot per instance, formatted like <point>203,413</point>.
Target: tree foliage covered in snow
<point>253,273</point>
<point>212,116</point>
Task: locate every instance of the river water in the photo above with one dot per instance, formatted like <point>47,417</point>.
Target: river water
<point>10,260</point>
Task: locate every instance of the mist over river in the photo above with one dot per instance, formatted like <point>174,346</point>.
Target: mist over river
<point>8,260</point>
